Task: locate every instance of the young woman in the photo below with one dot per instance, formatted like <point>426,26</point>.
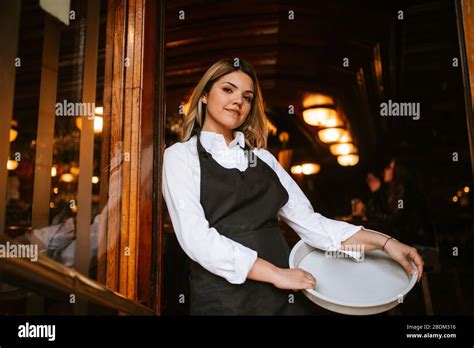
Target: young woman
<point>224,192</point>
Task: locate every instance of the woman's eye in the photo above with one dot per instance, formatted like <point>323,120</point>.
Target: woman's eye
<point>228,90</point>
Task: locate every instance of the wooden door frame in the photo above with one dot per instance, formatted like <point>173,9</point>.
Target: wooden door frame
<point>155,108</point>
<point>465,26</point>
<point>134,99</point>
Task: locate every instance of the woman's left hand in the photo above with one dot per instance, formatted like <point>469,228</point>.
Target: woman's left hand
<point>404,254</point>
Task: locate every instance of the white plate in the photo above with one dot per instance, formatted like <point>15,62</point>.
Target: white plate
<point>373,285</point>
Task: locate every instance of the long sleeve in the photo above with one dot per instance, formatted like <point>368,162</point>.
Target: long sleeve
<point>312,227</point>
<point>203,244</point>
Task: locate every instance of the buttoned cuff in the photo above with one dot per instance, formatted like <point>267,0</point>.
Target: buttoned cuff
<point>244,259</point>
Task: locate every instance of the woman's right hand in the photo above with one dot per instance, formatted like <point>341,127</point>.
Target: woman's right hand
<point>293,279</point>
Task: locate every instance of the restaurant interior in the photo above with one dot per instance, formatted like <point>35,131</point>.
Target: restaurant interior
<point>368,102</point>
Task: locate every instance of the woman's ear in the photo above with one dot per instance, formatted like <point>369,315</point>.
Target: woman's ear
<point>204,99</point>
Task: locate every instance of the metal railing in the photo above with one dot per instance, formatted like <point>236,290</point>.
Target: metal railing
<point>48,274</point>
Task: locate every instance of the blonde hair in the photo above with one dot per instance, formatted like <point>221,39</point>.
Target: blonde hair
<point>255,126</point>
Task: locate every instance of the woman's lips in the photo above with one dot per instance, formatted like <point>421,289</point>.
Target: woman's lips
<point>236,113</point>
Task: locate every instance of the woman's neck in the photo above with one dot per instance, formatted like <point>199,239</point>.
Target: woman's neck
<point>227,133</point>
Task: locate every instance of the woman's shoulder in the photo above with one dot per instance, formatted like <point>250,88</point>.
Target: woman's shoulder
<point>180,148</point>
<point>266,156</point>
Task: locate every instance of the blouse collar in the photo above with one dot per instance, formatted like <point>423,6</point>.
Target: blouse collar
<point>211,139</point>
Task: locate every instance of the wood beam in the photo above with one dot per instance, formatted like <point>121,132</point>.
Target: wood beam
<point>9,27</point>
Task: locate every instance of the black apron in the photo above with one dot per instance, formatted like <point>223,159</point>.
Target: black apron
<point>243,206</point>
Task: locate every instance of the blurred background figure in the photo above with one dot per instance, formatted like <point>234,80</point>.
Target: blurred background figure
<point>359,211</point>
<point>399,203</point>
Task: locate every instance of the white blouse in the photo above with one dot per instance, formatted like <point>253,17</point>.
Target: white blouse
<point>204,244</point>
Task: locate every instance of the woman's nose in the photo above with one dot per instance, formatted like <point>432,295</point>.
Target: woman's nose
<point>238,101</point>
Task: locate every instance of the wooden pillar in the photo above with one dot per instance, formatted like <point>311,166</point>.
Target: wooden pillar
<point>146,260</point>
<point>9,24</point>
<point>105,159</point>
<point>45,138</point>
<point>45,134</point>
<point>129,199</point>
<point>86,150</point>
<point>155,87</point>
<point>465,22</point>
<point>113,106</point>
<point>133,79</point>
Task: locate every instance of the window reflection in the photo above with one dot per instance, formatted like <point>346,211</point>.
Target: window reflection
<point>56,239</point>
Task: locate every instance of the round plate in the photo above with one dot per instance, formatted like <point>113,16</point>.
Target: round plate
<point>373,285</point>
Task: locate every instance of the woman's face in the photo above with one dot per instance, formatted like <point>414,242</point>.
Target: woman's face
<point>229,100</point>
